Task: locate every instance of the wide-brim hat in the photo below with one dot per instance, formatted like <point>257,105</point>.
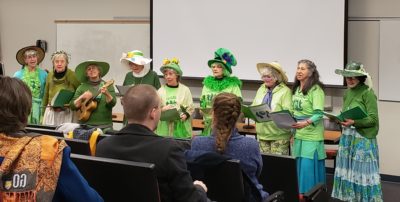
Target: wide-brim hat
<point>225,57</point>
<point>80,70</point>
<point>274,65</point>
<point>20,54</point>
<point>136,57</point>
<point>352,69</point>
<point>171,64</point>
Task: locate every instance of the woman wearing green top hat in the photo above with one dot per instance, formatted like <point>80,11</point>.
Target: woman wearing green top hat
<point>357,165</point>
<point>308,104</point>
<point>32,75</point>
<point>140,71</point>
<point>175,95</point>
<point>220,81</point>
<point>90,74</point>
<point>277,95</point>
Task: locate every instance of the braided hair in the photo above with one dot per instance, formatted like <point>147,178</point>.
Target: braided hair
<point>226,111</point>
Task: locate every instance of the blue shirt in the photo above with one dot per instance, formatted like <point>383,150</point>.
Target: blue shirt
<point>239,147</point>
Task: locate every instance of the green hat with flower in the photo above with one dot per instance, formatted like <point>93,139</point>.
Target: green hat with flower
<point>352,69</point>
<point>225,57</point>
<point>171,64</point>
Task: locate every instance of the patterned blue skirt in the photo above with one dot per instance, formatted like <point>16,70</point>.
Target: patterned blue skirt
<point>357,168</point>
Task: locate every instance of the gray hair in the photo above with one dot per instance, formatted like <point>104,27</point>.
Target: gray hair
<point>60,54</point>
<point>273,73</point>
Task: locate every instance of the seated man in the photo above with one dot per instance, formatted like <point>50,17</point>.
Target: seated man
<point>137,142</point>
<point>34,167</point>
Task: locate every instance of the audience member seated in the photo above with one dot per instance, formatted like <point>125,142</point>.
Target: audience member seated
<point>226,140</point>
<point>137,142</point>
<point>34,167</point>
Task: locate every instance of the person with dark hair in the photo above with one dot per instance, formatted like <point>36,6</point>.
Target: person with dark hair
<point>275,93</point>
<point>60,78</point>
<point>34,167</point>
<point>226,140</point>
<point>308,106</point>
<point>35,77</point>
<point>137,142</point>
<point>220,81</point>
<point>357,162</point>
<point>176,95</point>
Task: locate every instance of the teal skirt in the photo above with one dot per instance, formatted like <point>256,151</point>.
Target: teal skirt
<point>310,172</point>
<point>357,168</point>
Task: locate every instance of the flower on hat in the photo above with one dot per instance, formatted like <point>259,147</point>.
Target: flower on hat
<point>171,64</point>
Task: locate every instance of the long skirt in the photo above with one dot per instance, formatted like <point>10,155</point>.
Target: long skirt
<point>310,172</point>
<point>357,168</point>
<point>56,118</point>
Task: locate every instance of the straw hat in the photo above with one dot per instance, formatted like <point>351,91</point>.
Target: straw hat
<point>274,65</point>
<point>21,58</point>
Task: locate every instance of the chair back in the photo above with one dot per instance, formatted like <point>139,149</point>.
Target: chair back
<point>224,181</point>
<point>119,180</point>
<point>279,173</point>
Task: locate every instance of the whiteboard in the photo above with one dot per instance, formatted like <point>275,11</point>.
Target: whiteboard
<point>389,60</point>
<point>104,42</point>
<point>255,31</point>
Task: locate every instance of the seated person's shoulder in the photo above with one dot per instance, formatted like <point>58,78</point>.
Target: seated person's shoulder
<point>50,146</point>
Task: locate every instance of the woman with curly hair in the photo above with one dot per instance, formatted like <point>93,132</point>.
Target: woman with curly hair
<point>226,140</point>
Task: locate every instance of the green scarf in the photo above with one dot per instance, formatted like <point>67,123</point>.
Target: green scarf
<point>32,80</point>
<point>220,84</point>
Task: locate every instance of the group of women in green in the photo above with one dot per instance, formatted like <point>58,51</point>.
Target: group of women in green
<point>357,170</point>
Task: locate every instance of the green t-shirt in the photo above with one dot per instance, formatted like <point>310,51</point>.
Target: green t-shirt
<point>179,97</point>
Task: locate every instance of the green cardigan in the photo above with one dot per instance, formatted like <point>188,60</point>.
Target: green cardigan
<point>53,85</point>
<point>366,99</point>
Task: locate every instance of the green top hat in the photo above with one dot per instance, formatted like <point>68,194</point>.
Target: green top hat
<point>225,57</point>
<point>171,64</point>
<point>352,69</point>
<point>80,70</point>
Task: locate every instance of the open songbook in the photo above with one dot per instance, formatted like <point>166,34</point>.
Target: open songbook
<point>283,119</point>
<point>259,113</point>
<point>353,113</point>
<point>62,98</point>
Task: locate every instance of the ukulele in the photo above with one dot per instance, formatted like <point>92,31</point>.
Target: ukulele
<point>89,105</point>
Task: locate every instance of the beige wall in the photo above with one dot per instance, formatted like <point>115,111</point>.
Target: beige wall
<point>23,22</point>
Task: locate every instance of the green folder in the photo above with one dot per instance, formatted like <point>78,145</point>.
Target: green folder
<point>353,113</point>
<point>259,113</point>
<point>62,98</point>
<point>170,115</point>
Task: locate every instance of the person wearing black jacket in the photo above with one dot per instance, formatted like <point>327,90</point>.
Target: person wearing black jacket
<point>137,142</point>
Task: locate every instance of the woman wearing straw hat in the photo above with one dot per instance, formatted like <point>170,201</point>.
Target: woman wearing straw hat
<point>220,81</point>
<point>175,95</point>
<point>278,96</point>
<point>308,105</point>
<point>140,71</point>
<point>60,78</point>
<point>35,77</point>
<point>90,74</point>
<point>357,165</point>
